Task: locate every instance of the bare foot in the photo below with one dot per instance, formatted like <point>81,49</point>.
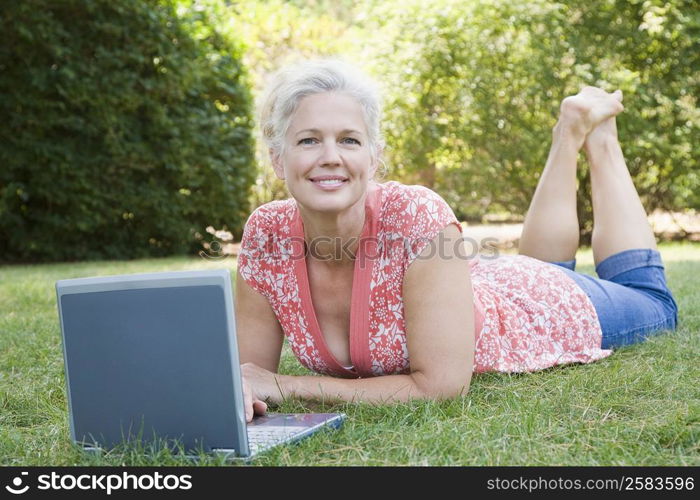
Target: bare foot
<point>591,109</point>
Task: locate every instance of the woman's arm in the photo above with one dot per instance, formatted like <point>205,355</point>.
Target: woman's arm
<point>259,336</point>
<point>259,333</point>
<point>439,315</point>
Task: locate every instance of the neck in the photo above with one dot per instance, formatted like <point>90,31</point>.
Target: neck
<point>333,238</point>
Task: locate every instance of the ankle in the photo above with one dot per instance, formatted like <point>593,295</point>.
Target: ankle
<point>569,131</point>
<point>599,144</point>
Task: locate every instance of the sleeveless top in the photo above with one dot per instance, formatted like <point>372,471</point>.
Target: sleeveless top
<point>529,315</point>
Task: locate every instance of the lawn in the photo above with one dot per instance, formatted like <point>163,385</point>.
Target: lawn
<point>640,406</point>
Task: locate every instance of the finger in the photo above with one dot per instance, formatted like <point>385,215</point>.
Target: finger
<point>618,95</point>
<point>620,108</point>
<point>247,403</point>
<point>259,407</point>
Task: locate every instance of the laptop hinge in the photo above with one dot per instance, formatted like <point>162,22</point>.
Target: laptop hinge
<point>224,451</point>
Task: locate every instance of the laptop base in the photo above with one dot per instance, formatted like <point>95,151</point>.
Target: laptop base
<point>290,428</point>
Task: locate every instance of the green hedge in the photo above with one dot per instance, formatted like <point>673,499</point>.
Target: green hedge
<point>127,129</point>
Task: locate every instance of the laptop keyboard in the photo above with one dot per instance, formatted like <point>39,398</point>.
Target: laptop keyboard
<point>263,437</point>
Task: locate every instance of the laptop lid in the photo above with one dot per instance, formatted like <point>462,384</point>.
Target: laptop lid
<point>153,355</point>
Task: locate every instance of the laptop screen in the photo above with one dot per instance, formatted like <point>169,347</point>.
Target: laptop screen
<point>150,360</point>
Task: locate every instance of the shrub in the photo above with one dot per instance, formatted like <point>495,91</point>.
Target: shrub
<point>473,90</point>
<point>127,129</point>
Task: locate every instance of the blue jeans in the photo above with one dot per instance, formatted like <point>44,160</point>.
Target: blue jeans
<point>630,296</point>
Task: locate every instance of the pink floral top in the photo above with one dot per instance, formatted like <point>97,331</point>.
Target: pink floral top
<point>529,315</point>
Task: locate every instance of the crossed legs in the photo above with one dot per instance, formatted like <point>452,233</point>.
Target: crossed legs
<point>550,232</point>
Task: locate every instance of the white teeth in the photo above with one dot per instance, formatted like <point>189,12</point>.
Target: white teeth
<point>329,182</point>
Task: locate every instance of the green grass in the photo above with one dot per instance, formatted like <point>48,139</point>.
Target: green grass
<point>638,407</point>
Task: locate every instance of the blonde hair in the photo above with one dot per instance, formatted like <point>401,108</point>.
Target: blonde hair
<point>292,83</point>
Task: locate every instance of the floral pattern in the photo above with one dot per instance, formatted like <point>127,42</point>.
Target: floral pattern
<point>529,315</point>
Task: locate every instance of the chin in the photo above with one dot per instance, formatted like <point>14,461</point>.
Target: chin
<point>320,201</point>
<point>333,204</point>
<point>329,206</point>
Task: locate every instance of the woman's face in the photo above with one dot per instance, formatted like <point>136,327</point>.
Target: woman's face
<point>327,162</point>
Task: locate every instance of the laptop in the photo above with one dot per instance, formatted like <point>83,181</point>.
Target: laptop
<point>153,358</point>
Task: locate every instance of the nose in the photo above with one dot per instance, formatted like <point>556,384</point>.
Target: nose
<point>330,156</point>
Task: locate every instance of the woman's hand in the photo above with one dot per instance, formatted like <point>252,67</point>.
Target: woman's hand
<point>590,114</point>
<point>260,386</point>
<point>252,405</point>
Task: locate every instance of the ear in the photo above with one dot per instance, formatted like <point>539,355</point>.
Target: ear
<point>276,163</point>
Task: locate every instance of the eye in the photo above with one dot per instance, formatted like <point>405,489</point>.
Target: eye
<point>306,141</point>
<point>352,140</point>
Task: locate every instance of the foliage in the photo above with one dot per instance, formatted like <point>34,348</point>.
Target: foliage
<point>127,129</point>
<point>469,97</point>
<point>473,90</point>
<point>128,122</point>
<point>650,50</point>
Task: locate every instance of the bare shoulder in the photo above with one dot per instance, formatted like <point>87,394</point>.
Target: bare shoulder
<point>445,251</point>
<point>440,275</point>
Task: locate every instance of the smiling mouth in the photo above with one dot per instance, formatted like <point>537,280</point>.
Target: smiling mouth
<point>328,181</point>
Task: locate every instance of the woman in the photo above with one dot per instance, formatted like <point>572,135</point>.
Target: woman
<point>363,277</point>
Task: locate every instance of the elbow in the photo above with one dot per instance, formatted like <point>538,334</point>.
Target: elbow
<point>453,391</point>
<point>442,388</point>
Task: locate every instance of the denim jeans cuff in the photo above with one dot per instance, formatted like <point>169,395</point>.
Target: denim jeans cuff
<point>627,260</point>
<point>568,264</point>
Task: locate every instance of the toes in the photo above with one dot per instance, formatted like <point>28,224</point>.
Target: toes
<point>589,89</point>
